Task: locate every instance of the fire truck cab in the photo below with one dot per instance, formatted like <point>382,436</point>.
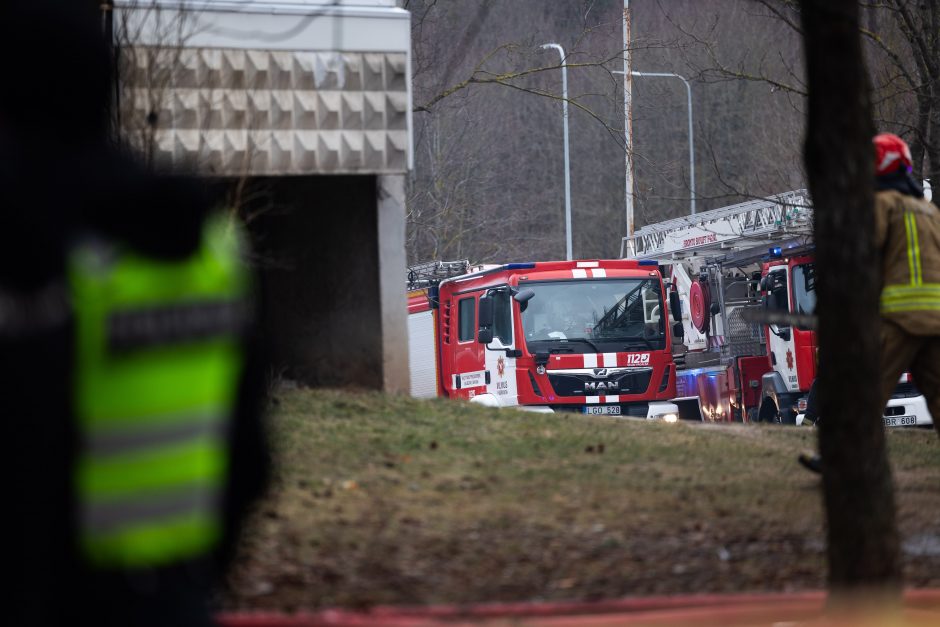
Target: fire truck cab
<point>592,337</point>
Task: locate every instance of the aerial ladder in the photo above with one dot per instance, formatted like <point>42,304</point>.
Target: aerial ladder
<point>743,274</point>
<point>714,261</point>
<point>784,220</point>
<point>711,255</point>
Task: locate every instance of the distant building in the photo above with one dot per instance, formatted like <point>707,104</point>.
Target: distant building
<point>307,102</point>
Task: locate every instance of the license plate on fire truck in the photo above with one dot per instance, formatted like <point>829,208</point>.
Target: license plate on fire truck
<point>900,421</point>
<point>602,410</point>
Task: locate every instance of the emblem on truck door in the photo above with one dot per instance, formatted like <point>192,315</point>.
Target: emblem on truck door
<point>500,367</point>
<point>789,359</point>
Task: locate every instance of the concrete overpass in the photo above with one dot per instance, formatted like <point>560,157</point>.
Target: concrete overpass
<point>304,108</point>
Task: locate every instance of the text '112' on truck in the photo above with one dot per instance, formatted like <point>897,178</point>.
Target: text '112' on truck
<point>664,334</point>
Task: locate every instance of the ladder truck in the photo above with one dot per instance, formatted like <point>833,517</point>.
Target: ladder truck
<point>725,265</point>
<point>588,336</point>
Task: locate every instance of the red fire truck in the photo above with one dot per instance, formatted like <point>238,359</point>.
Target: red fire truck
<point>585,336</point>
<point>724,264</point>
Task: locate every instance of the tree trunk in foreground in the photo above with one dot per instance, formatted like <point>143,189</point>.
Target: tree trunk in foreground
<point>858,490</point>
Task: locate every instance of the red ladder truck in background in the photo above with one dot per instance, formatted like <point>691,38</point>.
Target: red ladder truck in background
<point>723,264</point>
<point>586,336</point>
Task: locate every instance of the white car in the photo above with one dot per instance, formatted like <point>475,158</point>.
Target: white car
<point>905,408</point>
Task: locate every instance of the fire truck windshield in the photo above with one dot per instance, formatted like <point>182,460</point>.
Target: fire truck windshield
<point>620,314</point>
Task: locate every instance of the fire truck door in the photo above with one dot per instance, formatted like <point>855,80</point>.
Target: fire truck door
<point>502,367</point>
<point>780,339</point>
<point>468,375</point>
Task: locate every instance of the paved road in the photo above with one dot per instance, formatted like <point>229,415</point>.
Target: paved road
<point>922,609</point>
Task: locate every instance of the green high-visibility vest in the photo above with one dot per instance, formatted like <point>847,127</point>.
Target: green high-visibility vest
<point>157,366</point>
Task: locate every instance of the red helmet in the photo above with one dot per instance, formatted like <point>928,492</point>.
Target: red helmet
<point>891,152</point>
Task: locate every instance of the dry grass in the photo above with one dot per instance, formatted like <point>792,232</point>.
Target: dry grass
<point>393,500</point>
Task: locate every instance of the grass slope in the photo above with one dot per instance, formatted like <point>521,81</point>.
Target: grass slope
<point>383,499</point>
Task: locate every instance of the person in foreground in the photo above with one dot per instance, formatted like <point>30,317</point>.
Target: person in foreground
<point>129,353</point>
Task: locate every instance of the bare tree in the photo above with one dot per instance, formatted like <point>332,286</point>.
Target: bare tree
<point>901,41</point>
<point>904,43</point>
<point>146,73</point>
<point>488,129</point>
<point>859,495</point>
<point>154,59</point>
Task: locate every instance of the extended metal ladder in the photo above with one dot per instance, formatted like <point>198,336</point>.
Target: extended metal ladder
<point>748,225</point>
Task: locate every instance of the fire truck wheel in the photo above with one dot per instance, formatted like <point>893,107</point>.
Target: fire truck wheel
<point>786,417</point>
<point>752,415</point>
<point>768,412</point>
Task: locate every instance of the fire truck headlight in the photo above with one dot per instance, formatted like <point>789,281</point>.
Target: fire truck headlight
<point>667,412</point>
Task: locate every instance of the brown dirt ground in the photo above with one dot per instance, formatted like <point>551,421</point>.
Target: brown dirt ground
<point>382,500</point>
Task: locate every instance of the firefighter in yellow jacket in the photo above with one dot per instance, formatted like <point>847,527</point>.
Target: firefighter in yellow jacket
<point>907,238</point>
<point>907,241</point>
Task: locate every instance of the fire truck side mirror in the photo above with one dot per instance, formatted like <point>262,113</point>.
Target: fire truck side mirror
<point>678,332</point>
<point>776,300</point>
<point>523,297</point>
<point>485,319</point>
<point>675,306</point>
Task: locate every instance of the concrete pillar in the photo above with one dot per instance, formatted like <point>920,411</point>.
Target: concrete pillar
<point>332,255</point>
<point>392,269</point>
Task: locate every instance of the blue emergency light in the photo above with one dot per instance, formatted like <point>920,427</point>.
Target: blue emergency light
<point>648,262</point>
<point>776,251</point>
<point>520,266</point>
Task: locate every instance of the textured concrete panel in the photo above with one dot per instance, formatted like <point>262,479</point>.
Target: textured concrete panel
<point>342,112</point>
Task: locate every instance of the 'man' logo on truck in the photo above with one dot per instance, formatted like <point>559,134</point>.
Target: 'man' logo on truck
<point>601,385</point>
<point>642,359</point>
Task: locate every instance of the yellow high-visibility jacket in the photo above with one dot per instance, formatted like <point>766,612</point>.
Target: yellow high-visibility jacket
<point>907,237</point>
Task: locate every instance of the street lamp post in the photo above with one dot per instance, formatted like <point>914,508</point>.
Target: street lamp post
<point>564,95</point>
<point>628,126</point>
<point>688,90</point>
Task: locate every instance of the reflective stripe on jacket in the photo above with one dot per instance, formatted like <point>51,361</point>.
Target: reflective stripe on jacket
<point>907,234</point>
<point>158,362</point>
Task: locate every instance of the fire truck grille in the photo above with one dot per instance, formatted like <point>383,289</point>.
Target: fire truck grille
<point>635,382</point>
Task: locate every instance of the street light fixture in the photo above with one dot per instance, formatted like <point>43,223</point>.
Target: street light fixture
<point>564,95</point>
<point>688,90</point>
